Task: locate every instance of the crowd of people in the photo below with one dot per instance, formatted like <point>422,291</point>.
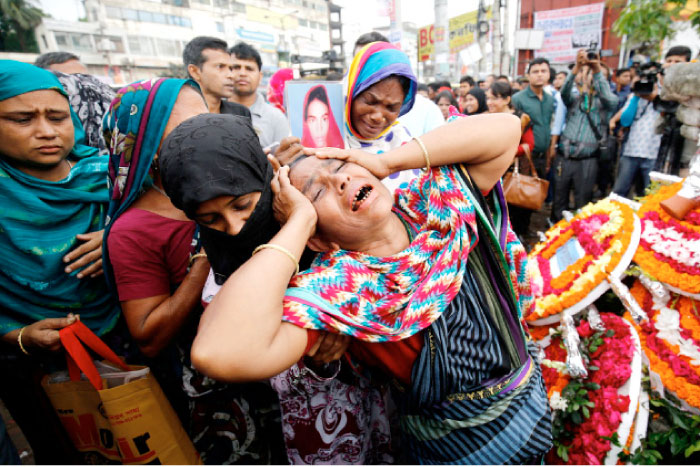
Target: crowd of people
<point>298,303</point>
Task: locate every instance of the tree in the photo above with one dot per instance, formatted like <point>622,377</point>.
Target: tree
<point>18,18</point>
<point>648,22</point>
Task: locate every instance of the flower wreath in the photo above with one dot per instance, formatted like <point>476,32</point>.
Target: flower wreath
<point>604,231</point>
<point>671,342</point>
<point>609,369</point>
<point>669,250</point>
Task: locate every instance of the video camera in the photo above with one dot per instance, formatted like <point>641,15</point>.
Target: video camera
<point>648,76</point>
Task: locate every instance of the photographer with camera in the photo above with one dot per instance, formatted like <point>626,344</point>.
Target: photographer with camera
<point>673,146</point>
<point>584,137</point>
<point>642,143</point>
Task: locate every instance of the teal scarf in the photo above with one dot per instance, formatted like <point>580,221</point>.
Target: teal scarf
<point>38,224</point>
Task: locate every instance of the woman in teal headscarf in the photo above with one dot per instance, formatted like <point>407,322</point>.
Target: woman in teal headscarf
<point>53,193</point>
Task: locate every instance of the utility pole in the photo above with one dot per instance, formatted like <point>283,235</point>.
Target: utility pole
<point>497,37</point>
<point>482,27</point>
<point>442,41</point>
<point>506,39</point>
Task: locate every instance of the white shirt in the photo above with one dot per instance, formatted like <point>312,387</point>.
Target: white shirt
<point>423,117</point>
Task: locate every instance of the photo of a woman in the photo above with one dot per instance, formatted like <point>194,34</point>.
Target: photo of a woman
<point>319,129</point>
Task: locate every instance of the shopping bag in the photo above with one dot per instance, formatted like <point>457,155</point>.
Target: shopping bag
<point>525,191</point>
<point>119,414</point>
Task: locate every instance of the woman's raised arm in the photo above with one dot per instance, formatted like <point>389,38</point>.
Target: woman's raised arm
<point>486,142</point>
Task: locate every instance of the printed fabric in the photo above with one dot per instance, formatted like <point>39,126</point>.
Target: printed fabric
<point>378,299</point>
<point>39,221</point>
<point>89,98</point>
<point>338,418</point>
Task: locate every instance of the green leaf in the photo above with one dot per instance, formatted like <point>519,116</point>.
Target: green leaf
<point>695,447</point>
<point>609,333</point>
<point>585,412</point>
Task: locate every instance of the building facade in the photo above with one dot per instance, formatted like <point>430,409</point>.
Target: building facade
<point>126,40</point>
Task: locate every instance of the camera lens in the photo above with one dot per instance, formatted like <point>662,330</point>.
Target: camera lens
<point>592,55</point>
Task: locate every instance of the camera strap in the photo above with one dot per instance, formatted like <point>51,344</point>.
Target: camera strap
<point>594,128</point>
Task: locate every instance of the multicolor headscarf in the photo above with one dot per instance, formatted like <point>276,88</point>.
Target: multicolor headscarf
<point>133,129</point>
<point>333,137</point>
<point>373,63</point>
<point>275,88</point>
<point>378,299</point>
<point>38,224</point>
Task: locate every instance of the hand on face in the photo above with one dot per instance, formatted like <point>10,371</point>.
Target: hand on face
<point>372,162</point>
<point>288,201</point>
<point>289,149</point>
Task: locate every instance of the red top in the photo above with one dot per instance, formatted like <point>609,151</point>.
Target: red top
<point>395,358</point>
<point>149,253</point>
<point>527,138</point>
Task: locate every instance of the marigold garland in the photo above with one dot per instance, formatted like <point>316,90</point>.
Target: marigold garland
<point>680,384</point>
<point>604,231</point>
<point>659,266</point>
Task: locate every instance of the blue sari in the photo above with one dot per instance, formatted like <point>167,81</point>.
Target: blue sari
<point>39,221</point>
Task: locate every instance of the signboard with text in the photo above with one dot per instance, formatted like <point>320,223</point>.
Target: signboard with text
<point>568,29</point>
<point>462,32</point>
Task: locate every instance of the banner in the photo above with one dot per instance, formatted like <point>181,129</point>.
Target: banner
<point>569,29</point>
<point>462,32</point>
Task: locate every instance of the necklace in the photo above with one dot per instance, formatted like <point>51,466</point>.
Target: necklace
<point>160,191</point>
<point>70,166</point>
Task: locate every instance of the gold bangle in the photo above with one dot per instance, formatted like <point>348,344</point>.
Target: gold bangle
<point>425,152</point>
<point>19,341</point>
<point>193,258</point>
<point>280,249</point>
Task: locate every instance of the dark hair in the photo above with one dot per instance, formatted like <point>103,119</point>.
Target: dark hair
<point>539,61</point>
<point>505,77</point>
<point>478,83</point>
<point>421,87</point>
<point>523,79</point>
<point>434,86</point>
<point>619,71</point>
<point>467,79</point>
<point>501,89</point>
<point>54,58</point>
<point>404,82</point>
<point>244,51</point>
<point>369,37</point>
<point>480,97</point>
<point>192,55</point>
<point>680,50</point>
<point>562,73</point>
<point>316,94</point>
<point>449,96</point>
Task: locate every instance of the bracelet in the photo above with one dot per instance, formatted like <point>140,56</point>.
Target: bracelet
<point>425,152</point>
<point>280,249</point>
<point>193,258</point>
<point>19,341</point>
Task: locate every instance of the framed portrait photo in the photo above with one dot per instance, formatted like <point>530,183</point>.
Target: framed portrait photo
<point>315,112</point>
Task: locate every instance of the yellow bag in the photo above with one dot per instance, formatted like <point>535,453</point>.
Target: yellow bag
<point>120,415</point>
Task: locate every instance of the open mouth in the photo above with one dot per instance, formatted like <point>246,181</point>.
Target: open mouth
<point>361,195</point>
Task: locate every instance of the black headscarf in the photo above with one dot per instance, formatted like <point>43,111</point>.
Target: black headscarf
<point>480,96</point>
<point>214,155</point>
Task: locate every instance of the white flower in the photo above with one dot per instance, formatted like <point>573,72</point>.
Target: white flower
<point>556,402</point>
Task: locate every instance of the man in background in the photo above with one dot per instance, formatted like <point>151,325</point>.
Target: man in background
<point>269,123</point>
<point>559,80</point>
<point>466,82</point>
<point>65,62</point>
<point>209,64</point>
<point>368,38</point>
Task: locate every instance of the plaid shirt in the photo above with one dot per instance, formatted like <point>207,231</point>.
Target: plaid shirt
<point>578,129</point>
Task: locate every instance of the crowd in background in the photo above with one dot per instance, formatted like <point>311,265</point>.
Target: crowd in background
<point>192,215</point>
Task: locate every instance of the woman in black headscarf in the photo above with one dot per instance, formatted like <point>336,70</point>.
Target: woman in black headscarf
<point>474,102</point>
<point>213,169</point>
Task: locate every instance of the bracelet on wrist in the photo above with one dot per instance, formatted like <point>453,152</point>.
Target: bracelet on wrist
<point>193,258</point>
<point>19,341</point>
<point>281,249</point>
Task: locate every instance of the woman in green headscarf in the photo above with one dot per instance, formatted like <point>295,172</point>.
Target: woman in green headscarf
<point>53,193</point>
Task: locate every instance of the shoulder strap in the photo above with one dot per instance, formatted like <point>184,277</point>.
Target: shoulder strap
<point>593,127</point>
